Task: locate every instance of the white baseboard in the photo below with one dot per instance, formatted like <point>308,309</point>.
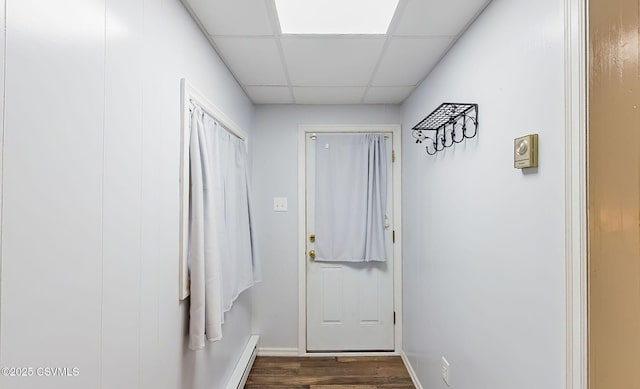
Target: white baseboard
<point>412,373</point>
<point>243,367</point>
<point>352,354</point>
<point>277,352</point>
<point>293,352</point>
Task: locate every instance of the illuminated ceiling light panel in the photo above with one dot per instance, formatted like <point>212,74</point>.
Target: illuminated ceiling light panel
<point>335,16</point>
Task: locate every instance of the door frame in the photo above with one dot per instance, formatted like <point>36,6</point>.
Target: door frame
<point>303,129</point>
<point>576,108</point>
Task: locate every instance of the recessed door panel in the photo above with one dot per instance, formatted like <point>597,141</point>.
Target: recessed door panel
<point>332,290</point>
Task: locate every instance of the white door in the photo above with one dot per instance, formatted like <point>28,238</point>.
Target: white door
<point>349,305</point>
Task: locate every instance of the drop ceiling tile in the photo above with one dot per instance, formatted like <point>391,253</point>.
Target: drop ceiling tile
<point>408,60</point>
<point>269,94</point>
<point>338,61</point>
<point>254,61</point>
<point>328,95</point>
<point>387,94</point>
<point>438,17</point>
<point>233,17</point>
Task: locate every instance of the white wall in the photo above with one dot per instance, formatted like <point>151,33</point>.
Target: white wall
<point>275,174</point>
<point>91,169</point>
<point>90,222</point>
<point>483,243</point>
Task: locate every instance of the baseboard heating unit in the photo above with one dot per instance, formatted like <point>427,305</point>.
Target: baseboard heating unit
<point>243,368</point>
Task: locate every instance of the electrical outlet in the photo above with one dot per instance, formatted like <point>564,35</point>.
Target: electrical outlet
<point>446,371</point>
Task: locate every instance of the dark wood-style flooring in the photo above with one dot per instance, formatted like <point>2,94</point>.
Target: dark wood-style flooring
<point>329,373</point>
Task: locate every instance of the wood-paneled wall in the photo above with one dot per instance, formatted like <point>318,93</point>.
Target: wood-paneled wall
<point>614,195</point>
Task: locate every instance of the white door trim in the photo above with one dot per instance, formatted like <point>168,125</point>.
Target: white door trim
<point>576,89</point>
<point>302,216</point>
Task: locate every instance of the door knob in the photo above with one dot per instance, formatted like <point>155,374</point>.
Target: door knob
<point>312,254</point>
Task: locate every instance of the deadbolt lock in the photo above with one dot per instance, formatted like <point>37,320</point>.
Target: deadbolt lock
<point>312,238</point>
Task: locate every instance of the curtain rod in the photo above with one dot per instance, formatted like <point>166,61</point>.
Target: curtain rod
<point>194,104</point>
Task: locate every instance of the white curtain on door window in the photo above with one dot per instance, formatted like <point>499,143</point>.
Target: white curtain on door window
<point>222,263</point>
<point>351,197</point>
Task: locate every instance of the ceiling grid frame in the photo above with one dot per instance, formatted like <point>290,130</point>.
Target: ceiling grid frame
<point>402,4</point>
<point>277,30</point>
<point>326,78</point>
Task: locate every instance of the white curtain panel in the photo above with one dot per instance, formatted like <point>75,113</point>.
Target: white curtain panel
<point>351,197</point>
<point>221,251</point>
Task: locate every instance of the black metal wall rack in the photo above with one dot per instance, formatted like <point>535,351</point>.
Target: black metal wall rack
<point>447,125</point>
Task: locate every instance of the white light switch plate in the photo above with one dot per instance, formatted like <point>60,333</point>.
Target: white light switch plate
<point>280,204</point>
